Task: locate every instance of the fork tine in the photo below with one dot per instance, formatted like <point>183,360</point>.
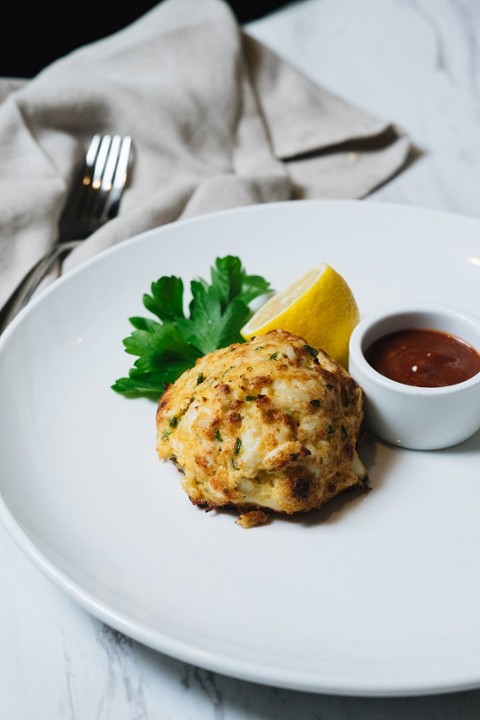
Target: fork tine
<point>123,163</point>
<point>90,159</point>
<point>119,179</point>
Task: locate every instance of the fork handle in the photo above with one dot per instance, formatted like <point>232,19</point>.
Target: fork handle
<point>22,294</point>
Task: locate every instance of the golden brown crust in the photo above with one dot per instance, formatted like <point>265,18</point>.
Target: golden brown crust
<point>252,518</point>
<point>270,424</point>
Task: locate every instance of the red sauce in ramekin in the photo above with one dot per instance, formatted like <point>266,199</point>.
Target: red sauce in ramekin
<point>424,358</point>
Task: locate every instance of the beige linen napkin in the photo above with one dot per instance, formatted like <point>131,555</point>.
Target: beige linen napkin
<point>217,120</point>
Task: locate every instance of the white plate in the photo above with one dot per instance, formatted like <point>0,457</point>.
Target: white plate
<point>376,596</point>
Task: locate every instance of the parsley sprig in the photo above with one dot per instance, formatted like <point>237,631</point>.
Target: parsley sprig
<point>166,347</point>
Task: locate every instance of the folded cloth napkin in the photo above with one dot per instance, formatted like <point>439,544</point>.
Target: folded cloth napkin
<point>218,120</point>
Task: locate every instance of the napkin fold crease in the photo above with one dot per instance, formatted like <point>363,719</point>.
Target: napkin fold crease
<point>217,118</point>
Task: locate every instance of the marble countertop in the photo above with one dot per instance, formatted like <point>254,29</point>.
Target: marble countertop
<point>416,64</point>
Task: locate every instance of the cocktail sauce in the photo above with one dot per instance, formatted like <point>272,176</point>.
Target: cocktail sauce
<point>424,357</point>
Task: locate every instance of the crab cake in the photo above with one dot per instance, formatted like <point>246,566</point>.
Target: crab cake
<point>267,425</point>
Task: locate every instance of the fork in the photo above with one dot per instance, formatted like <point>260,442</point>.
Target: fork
<point>94,199</point>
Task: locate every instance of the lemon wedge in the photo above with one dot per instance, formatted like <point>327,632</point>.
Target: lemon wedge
<point>319,306</point>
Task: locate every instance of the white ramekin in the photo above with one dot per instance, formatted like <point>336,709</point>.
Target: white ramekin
<point>420,418</point>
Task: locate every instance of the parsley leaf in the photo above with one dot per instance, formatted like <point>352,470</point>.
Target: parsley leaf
<point>166,347</point>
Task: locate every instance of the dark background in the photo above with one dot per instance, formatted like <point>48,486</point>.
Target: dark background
<point>34,38</point>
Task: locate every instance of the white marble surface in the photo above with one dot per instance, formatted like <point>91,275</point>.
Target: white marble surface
<point>416,63</point>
